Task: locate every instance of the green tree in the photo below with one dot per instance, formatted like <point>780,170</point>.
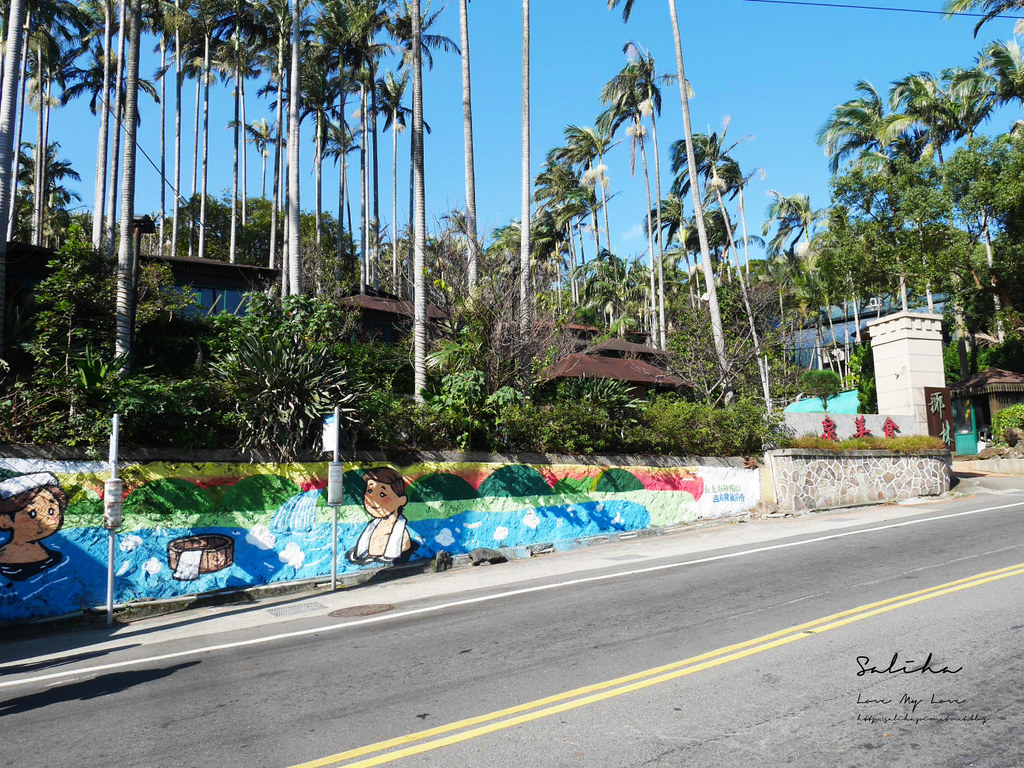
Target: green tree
<point>714,313</point>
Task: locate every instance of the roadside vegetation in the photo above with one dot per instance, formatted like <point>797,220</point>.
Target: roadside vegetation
<point>907,444</point>
<point>926,210</point>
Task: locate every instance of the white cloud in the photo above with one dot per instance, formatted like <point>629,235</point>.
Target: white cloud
<point>126,567</point>
<point>130,543</point>
<point>474,526</point>
<point>530,520</point>
<point>261,537</point>
<point>500,533</point>
<point>292,555</point>
<point>445,538</point>
<point>635,234</point>
<point>153,566</point>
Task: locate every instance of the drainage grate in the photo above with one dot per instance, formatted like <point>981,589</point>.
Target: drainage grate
<point>361,610</point>
<point>293,610</point>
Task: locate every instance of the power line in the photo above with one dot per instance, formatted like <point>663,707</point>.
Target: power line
<point>888,9</point>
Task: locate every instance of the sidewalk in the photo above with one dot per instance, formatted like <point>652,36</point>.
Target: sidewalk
<point>687,544</point>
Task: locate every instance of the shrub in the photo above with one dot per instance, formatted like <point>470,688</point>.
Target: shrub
<point>908,444</point>
<point>668,425</point>
<point>282,387</point>
<point>1011,417</point>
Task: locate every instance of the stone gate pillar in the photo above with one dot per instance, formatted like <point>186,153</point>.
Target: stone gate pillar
<point>907,348</point>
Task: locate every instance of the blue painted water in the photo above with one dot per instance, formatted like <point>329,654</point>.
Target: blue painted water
<point>293,547</point>
<point>296,514</point>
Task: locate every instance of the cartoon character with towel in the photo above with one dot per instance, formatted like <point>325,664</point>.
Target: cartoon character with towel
<point>385,538</point>
<point>31,508</point>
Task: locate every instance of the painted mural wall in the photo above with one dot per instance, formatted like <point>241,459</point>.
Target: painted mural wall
<point>192,528</point>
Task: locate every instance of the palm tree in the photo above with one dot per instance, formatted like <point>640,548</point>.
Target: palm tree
<point>260,134</point>
<point>391,90</point>
<point>236,58</point>
<point>1004,63</point>
<point>55,34</point>
<point>420,213</point>
<point>793,219</point>
<point>473,245</point>
<point>198,31</point>
<point>8,109</point>
<point>615,288</point>
<point>560,192</point>
<point>127,262</point>
<point>583,147</point>
<point>294,252</point>
<point>366,19</point>
<point>399,26</point>
<point>722,175</point>
<point>633,94</point>
<point>674,229</point>
<point>275,16</point>
<point>525,313</point>
<point>922,100</point>
<point>102,56</point>
<point>318,90</point>
<point>974,98</point>
<point>19,121</point>
<point>991,9</point>
<point>717,329</point>
<point>340,142</point>
<point>856,128</point>
<point>178,80</point>
<point>56,196</point>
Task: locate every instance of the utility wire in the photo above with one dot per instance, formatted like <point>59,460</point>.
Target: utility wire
<point>875,8</point>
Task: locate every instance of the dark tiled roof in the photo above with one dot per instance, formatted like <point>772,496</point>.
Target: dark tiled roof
<point>390,306</point>
<point>991,380</point>
<point>577,366</point>
<point>568,326</point>
<point>614,347</point>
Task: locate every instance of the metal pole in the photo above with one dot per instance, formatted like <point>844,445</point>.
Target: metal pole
<point>334,507</point>
<point>116,425</point>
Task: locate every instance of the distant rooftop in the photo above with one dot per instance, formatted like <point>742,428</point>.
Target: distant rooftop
<point>991,380</point>
<point>621,347</point>
<point>577,366</point>
<point>390,305</point>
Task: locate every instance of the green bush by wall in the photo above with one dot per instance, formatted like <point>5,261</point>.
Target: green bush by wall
<point>1008,418</point>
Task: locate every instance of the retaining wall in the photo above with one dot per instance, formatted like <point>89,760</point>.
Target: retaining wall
<point>192,528</point>
<point>813,479</point>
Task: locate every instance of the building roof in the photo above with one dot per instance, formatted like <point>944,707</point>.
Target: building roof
<point>390,306</point>
<point>991,380</point>
<point>619,347</point>
<point>577,366</point>
<point>33,261</point>
<point>185,268</point>
<point>576,327</point>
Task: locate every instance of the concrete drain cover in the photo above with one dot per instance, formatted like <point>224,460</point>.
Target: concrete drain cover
<point>361,610</point>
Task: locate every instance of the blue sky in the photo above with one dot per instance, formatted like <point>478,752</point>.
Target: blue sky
<point>775,70</point>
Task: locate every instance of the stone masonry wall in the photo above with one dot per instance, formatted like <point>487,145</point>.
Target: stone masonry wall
<point>808,479</point>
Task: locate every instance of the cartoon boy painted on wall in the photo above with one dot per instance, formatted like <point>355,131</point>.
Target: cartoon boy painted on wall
<point>31,508</point>
<point>385,538</point>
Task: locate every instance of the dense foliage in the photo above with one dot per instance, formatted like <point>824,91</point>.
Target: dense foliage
<point>1008,418</point>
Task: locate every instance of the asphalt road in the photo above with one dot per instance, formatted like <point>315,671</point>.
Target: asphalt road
<point>734,646</point>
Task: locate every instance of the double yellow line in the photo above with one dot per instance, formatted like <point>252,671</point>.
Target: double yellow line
<point>470,728</point>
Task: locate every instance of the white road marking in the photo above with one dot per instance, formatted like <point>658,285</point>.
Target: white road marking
<point>482,599</point>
